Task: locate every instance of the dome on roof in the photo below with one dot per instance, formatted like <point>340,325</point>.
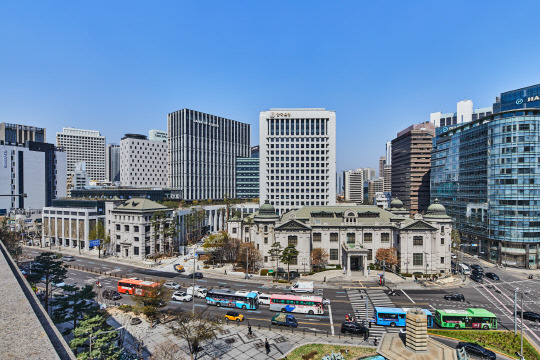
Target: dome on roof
<point>396,203</point>
<point>266,210</point>
<point>436,208</point>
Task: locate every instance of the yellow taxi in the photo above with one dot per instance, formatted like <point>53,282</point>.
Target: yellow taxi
<point>234,316</point>
<point>179,268</point>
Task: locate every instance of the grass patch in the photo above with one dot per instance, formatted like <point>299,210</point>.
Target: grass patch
<point>317,351</point>
<point>502,341</point>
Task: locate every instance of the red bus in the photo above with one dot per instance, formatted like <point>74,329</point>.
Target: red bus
<point>137,287</point>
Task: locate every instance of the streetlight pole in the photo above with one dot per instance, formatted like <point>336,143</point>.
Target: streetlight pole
<point>515,310</point>
<point>193,274</point>
<point>521,350</point>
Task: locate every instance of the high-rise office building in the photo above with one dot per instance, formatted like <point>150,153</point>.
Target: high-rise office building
<point>247,175</point>
<point>486,174</point>
<point>202,153</point>
<point>157,135</point>
<point>112,163</point>
<point>388,153</point>
<point>369,173</point>
<point>374,187</point>
<point>298,158</point>
<point>353,185</point>
<point>20,134</point>
<point>83,145</point>
<point>80,177</point>
<point>411,162</point>
<point>464,114</point>
<point>143,163</point>
<point>382,162</point>
<point>387,178</point>
<point>35,170</point>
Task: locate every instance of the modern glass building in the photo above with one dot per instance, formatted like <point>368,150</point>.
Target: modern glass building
<point>247,175</point>
<point>487,175</point>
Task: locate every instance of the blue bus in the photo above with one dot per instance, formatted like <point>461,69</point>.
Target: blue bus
<point>230,298</point>
<point>397,316</point>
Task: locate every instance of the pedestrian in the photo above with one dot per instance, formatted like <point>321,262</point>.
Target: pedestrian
<point>249,329</point>
<point>267,346</point>
<point>225,272</point>
<point>368,271</point>
<point>324,279</point>
<point>375,341</point>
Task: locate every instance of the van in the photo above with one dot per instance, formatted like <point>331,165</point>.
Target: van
<point>303,286</point>
<point>198,291</point>
<point>264,299</point>
<point>462,268</point>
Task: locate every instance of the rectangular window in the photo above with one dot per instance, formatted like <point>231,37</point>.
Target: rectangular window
<point>266,259</point>
<point>334,236</point>
<point>234,230</point>
<point>368,237</point>
<point>117,248</point>
<point>316,236</point>
<point>266,240</point>
<point>136,228</point>
<point>418,240</point>
<point>126,227</point>
<point>442,259</point>
<point>418,259</point>
<point>370,254</point>
<point>334,254</point>
<point>385,237</point>
<point>136,250</point>
<point>136,238</point>
<point>442,241</point>
<point>351,238</point>
<point>294,260</point>
<point>293,240</point>
<point>117,227</point>
<point>442,229</point>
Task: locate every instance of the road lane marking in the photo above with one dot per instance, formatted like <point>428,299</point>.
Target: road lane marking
<point>408,297</point>
<point>331,320</point>
<point>431,306</point>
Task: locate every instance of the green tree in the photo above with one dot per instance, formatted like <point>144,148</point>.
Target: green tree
<point>48,269</point>
<point>98,232</point>
<point>151,301</point>
<point>288,256</point>
<point>157,223</point>
<point>215,244</point>
<point>456,239</point>
<point>195,224</point>
<point>11,240</point>
<point>98,337</point>
<point>275,252</point>
<point>74,305</point>
<point>195,328</point>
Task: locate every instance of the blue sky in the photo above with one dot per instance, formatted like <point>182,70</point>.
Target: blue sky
<point>121,66</point>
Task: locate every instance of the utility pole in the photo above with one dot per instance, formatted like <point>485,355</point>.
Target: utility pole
<point>521,351</point>
<point>515,310</point>
<point>247,262</point>
<point>193,289</point>
<point>384,272</point>
<point>367,310</point>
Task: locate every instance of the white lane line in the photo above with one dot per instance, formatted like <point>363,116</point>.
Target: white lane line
<point>331,319</point>
<point>403,291</point>
<point>431,306</point>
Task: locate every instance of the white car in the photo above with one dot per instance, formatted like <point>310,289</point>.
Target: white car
<point>172,286</point>
<point>326,301</point>
<point>181,296</point>
<point>68,258</point>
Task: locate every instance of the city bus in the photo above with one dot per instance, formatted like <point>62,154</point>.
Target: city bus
<point>297,303</point>
<point>397,316</point>
<point>473,318</point>
<point>137,287</point>
<point>230,298</point>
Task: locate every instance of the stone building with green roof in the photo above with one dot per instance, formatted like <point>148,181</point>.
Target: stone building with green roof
<point>352,235</point>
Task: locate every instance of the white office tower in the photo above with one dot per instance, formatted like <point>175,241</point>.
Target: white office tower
<point>202,154</point>
<point>83,145</point>
<point>157,135</point>
<point>298,158</point>
<point>143,163</point>
<point>354,185</point>
<point>388,153</point>
<point>80,177</point>
<point>464,114</point>
<point>112,163</point>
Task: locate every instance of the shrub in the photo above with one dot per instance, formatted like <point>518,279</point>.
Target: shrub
<point>281,281</point>
<point>309,355</point>
<point>338,267</point>
<point>126,308</point>
<point>264,272</point>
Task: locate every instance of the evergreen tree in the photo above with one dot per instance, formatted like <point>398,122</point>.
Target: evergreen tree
<point>275,252</point>
<point>48,269</point>
<point>288,256</point>
<point>98,232</point>
<point>96,338</point>
<point>72,307</point>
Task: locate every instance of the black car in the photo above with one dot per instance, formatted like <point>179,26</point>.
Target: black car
<point>477,268</point>
<point>477,350</point>
<point>196,275</point>
<point>354,327</point>
<point>135,321</point>
<point>492,276</point>
<point>475,272</point>
<point>111,295</point>
<point>292,275</point>
<point>454,296</point>
<point>477,278</point>
<point>529,315</point>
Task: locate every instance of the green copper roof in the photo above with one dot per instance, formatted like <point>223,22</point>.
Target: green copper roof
<point>266,211</point>
<point>140,205</point>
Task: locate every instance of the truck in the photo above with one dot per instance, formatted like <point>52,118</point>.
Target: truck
<point>198,291</point>
<point>303,286</point>
<point>285,320</point>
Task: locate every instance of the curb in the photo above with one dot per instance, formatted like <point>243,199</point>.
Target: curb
<point>495,351</point>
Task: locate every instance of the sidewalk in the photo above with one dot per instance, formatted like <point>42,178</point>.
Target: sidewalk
<point>231,343</point>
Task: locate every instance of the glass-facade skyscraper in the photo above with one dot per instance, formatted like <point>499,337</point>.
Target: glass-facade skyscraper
<point>487,175</point>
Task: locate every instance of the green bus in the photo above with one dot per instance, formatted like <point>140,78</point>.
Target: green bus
<point>473,318</point>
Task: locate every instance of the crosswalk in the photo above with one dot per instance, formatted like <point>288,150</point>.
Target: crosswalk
<point>376,298</point>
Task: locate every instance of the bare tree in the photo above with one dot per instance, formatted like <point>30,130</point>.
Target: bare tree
<point>195,328</point>
<point>166,350</point>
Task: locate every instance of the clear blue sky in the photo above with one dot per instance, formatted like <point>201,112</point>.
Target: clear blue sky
<point>121,66</point>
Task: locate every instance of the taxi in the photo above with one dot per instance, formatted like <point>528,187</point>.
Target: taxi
<point>234,316</point>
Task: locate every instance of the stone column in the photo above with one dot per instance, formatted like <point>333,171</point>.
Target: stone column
<point>527,250</point>
<point>364,262</point>
<point>349,273</point>
<point>416,337</point>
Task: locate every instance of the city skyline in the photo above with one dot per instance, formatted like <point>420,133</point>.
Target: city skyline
<point>128,66</point>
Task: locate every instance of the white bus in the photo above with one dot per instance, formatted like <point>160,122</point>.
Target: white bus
<point>299,304</point>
